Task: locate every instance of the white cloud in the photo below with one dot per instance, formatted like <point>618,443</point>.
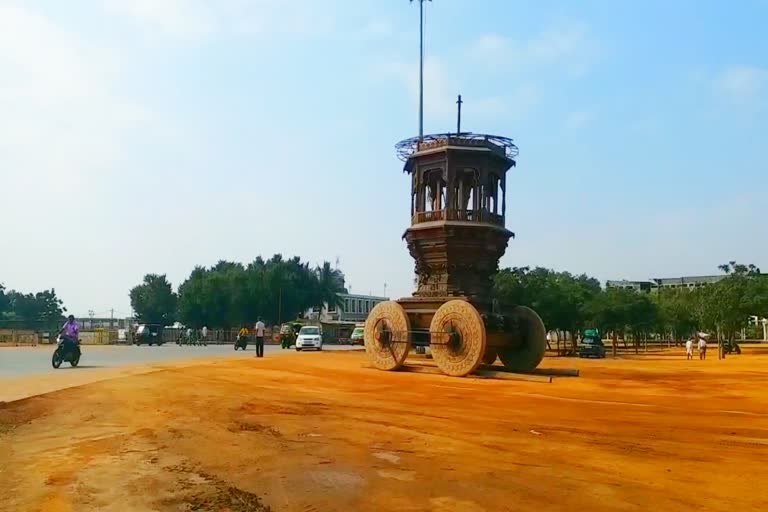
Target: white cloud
<point>438,97</point>
<point>743,85</point>
<point>65,131</point>
<point>491,44</point>
<point>180,18</point>
<point>578,119</point>
<point>377,29</point>
<point>61,123</point>
<point>568,46</point>
<point>442,84</point>
<point>200,19</point>
<point>569,41</point>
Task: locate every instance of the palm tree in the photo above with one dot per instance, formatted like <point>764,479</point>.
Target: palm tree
<point>329,283</point>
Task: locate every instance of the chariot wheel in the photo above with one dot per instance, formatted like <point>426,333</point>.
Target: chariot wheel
<point>387,335</point>
<point>457,338</point>
<point>527,351</point>
<point>490,355</point>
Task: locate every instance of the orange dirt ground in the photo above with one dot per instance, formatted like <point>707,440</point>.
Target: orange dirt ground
<point>321,432</point>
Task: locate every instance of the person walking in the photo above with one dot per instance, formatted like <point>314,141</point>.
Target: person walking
<point>689,348</point>
<point>259,332</point>
<point>702,348</point>
<point>205,334</point>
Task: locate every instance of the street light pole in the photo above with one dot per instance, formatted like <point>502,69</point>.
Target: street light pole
<point>421,69</point>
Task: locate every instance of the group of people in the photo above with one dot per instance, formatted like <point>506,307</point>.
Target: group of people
<point>258,331</point>
<point>193,337</point>
<point>702,346</point>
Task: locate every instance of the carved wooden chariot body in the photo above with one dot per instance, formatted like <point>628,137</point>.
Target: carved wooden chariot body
<point>456,237</point>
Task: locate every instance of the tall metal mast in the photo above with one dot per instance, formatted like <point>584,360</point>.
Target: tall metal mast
<point>421,68</point>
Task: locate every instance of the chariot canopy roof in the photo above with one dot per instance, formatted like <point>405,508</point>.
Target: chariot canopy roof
<point>502,147</point>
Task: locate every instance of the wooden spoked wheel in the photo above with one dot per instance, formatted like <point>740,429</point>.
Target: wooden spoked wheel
<point>457,339</point>
<point>387,335</point>
<point>528,349</point>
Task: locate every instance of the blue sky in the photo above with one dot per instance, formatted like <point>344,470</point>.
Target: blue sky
<point>152,135</point>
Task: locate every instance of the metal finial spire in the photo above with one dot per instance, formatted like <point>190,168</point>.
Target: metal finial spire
<point>458,122</point>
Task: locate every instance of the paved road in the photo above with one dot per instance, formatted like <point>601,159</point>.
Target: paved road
<point>25,361</point>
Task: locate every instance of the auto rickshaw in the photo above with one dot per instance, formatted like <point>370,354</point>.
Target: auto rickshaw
<point>287,336</point>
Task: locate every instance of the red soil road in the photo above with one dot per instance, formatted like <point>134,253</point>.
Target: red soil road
<point>321,432</point>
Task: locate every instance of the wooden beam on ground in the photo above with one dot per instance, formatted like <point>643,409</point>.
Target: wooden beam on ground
<point>479,374</point>
<point>552,372</point>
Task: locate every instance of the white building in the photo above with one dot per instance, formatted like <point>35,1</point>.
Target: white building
<point>755,320</point>
<point>353,308</point>
<point>657,283</point>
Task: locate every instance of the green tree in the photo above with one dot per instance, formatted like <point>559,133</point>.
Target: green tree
<point>36,310</point>
<point>725,306</point>
<point>192,307</point>
<point>329,283</point>
<point>641,317</point>
<point>154,300</point>
<point>611,310</point>
<point>230,294</point>
<point>223,296</point>
<point>5,303</point>
<point>560,298</point>
<point>677,313</point>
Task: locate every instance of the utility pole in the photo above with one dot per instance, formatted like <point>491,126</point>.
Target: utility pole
<point>385,289</point>
<point>111,318</point>
<point>421,69</point>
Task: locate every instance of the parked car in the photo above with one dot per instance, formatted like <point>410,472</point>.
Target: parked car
<point>592,345</point>
<point>358,336</point>
<point>150,334</point>
<point>310,336</point>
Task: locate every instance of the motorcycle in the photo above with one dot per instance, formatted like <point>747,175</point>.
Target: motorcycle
<point>241,342</point>
<point>66,350</point>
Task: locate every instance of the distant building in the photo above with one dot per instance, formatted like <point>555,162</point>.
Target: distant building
<point>657,283</point>
<point>639,286</point>
<point>687,282</point>
<point>88,323</point>
<point>353,308</point>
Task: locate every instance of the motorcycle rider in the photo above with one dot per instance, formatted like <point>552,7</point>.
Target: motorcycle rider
<point>71,332</point>
<point>242,336</point>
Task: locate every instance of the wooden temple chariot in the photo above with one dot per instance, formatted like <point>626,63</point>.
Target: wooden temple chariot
<point>457,236</point>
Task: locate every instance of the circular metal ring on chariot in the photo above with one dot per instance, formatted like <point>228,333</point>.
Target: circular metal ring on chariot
<point>406,148</point>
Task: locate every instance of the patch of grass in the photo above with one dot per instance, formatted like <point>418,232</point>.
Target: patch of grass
<point>213,494</point>
<point>229,498</point>
<point>256,427</point>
